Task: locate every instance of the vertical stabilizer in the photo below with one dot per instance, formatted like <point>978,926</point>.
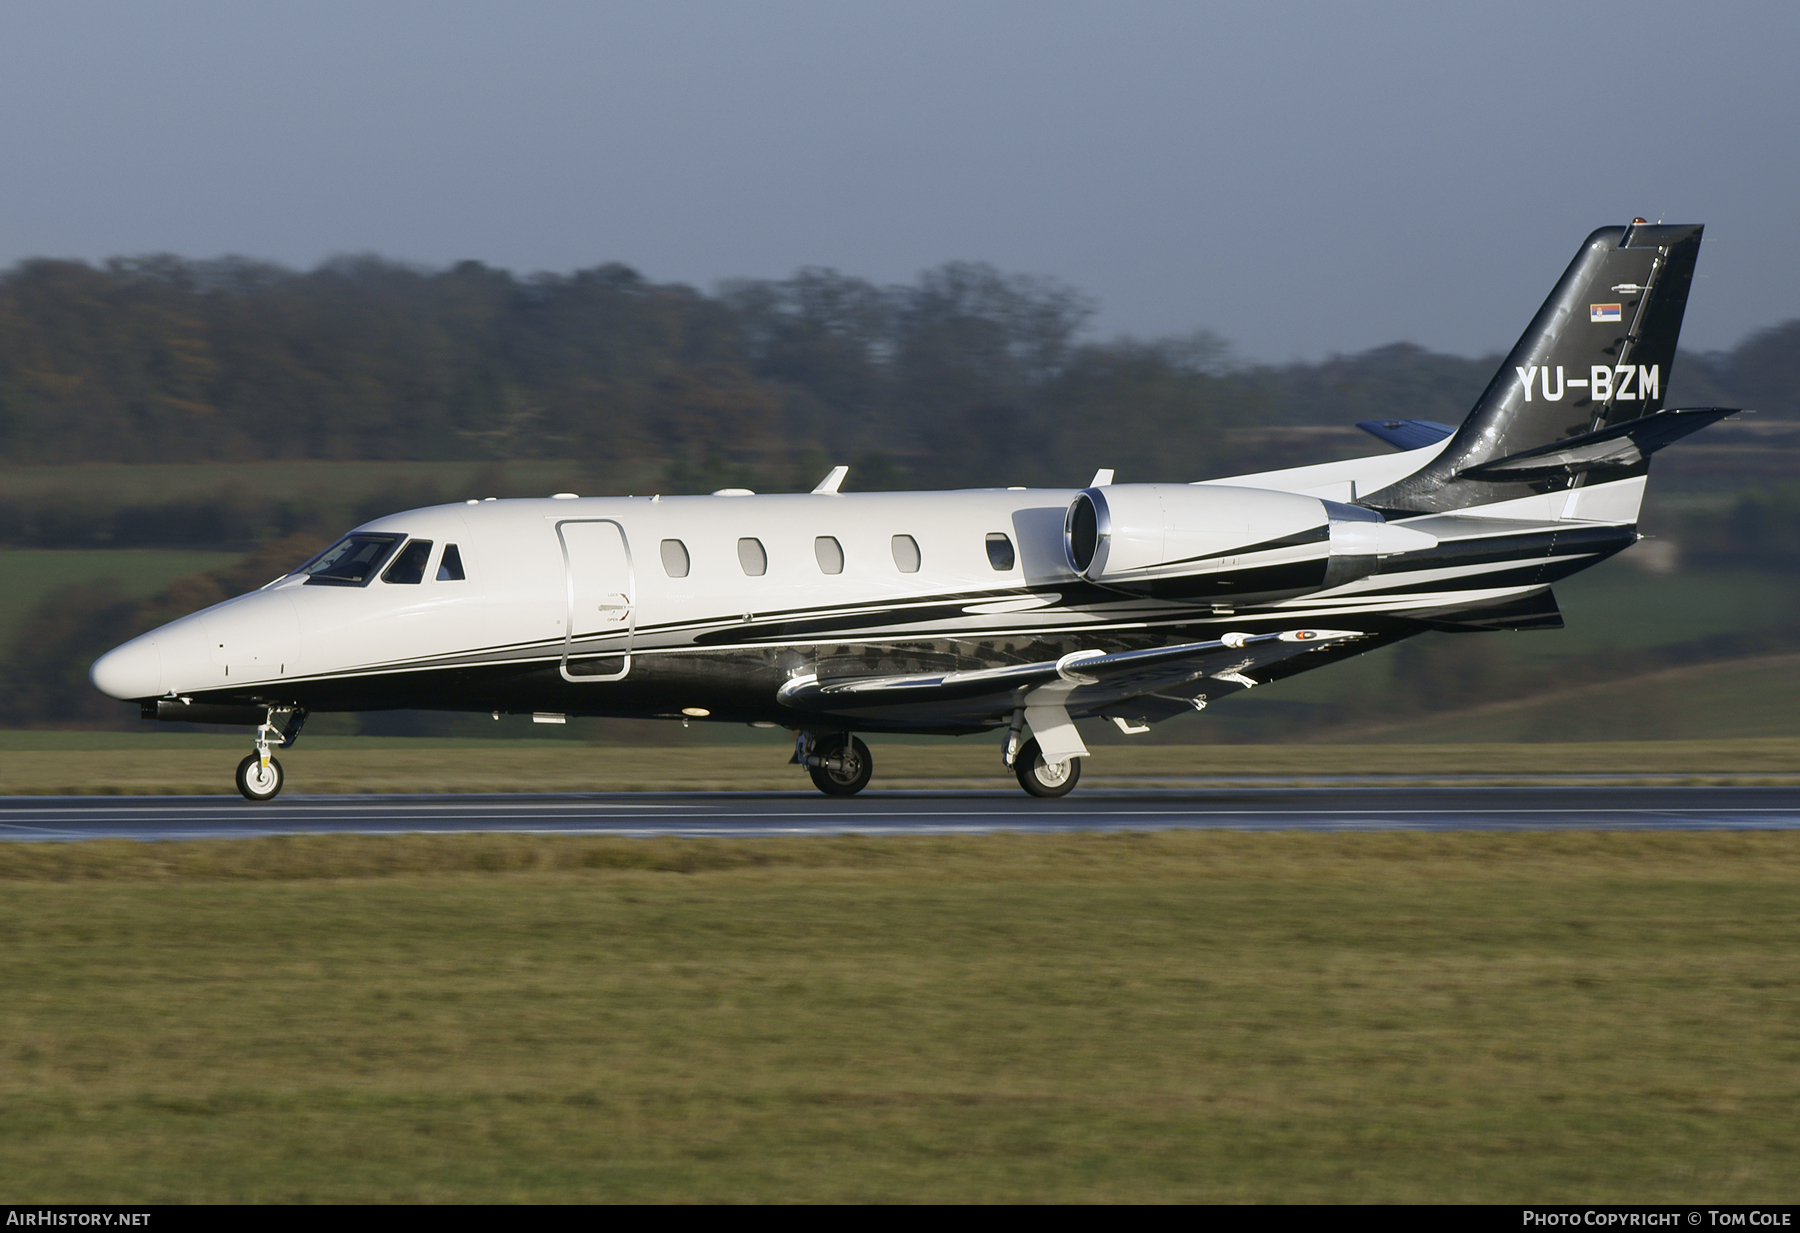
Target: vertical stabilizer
<point>1598,354</point>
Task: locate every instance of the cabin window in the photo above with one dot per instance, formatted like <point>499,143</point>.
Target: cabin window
<point>409,567</point>
<point>1000,550</point>
<point>830,554</point>
<point>752,557</point>
<point>675,558</point>
<point>450,568</point>
<point>350,562</point>
<point>906,554</point>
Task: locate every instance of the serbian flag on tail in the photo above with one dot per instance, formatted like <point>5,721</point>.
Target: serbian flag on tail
<point>1605,312</point>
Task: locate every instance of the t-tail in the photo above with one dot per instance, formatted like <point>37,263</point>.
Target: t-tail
<point>1579,401</point>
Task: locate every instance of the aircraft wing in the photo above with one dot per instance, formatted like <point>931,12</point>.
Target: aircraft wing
<point>1407,434</point>
<point>1153,683</point>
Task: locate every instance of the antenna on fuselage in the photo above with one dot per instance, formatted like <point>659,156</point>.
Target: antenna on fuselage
<point>833,478</point>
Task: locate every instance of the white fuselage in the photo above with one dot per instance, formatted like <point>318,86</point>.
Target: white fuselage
<point>648,605</point>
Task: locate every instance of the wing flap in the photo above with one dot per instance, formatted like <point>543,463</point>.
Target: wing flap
<point>1082,681</point>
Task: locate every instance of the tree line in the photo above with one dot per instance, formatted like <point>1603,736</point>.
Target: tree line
<point>967,376</point>
<point>164,359</point>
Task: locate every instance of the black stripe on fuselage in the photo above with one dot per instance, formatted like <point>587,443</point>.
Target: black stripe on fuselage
<point>740,683</point>
<point>1288,577</point>
<point>1542,557</point>
<point>1312,535</point>
<point>1559,541</point>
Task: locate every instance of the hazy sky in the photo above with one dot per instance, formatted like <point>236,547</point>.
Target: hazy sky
<point>1301,178</point>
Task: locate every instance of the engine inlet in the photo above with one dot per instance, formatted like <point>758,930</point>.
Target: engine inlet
<point>1081,532</point>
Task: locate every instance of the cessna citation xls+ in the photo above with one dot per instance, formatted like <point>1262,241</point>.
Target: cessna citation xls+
<point>1015,611</point>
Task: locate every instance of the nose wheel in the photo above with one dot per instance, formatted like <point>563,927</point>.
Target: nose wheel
<point>259,777</point>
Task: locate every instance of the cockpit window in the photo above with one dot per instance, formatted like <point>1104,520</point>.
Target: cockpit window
<point>350,562</point>
<point>409,566</point>
<point>450,568</point>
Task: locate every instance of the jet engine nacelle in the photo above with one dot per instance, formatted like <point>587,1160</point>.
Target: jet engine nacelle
<point>1200,539</point>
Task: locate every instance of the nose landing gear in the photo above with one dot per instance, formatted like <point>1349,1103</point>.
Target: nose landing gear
<point>259,776</point>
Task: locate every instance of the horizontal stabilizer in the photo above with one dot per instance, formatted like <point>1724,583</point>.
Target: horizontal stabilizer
<point>1618,445</point>
<point>1407,434</point>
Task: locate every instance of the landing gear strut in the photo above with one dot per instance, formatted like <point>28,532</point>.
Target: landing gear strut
<point>839,764</point>
<point>259,776</point>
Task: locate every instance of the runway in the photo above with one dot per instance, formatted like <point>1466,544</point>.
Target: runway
<point>746,814</point>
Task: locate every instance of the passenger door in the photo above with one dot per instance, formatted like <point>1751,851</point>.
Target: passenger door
<point>602,605</point>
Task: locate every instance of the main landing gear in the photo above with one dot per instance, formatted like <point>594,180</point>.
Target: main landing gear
<point>1041,778</point>
<point>259,776</point>
<point>839,764</point>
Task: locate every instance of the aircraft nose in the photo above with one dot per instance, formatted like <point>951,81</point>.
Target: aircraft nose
<point>133,670</point>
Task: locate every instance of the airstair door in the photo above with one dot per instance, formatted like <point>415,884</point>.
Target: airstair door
<point>602,600</point>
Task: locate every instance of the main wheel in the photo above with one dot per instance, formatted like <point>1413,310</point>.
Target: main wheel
<point>256,782</point>
<point>851,775</point>
<point>1041,778</point>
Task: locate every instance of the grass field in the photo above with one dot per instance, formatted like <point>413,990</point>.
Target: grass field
<point>1617,606</point>
<point>1171,1017</point>
<point>1721,703</point>
<point>80,764</point>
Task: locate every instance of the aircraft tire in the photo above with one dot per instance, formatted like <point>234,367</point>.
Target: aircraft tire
<point>852,779</point>
<point>1041,778</point>
<point>254,784</point>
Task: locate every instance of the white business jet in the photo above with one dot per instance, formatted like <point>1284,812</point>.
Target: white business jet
<point>1015,611</point>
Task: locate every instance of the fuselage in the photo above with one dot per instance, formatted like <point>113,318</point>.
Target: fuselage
<point>707,606</point>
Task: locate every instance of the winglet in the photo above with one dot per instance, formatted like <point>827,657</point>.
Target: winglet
<point>833,477</point>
